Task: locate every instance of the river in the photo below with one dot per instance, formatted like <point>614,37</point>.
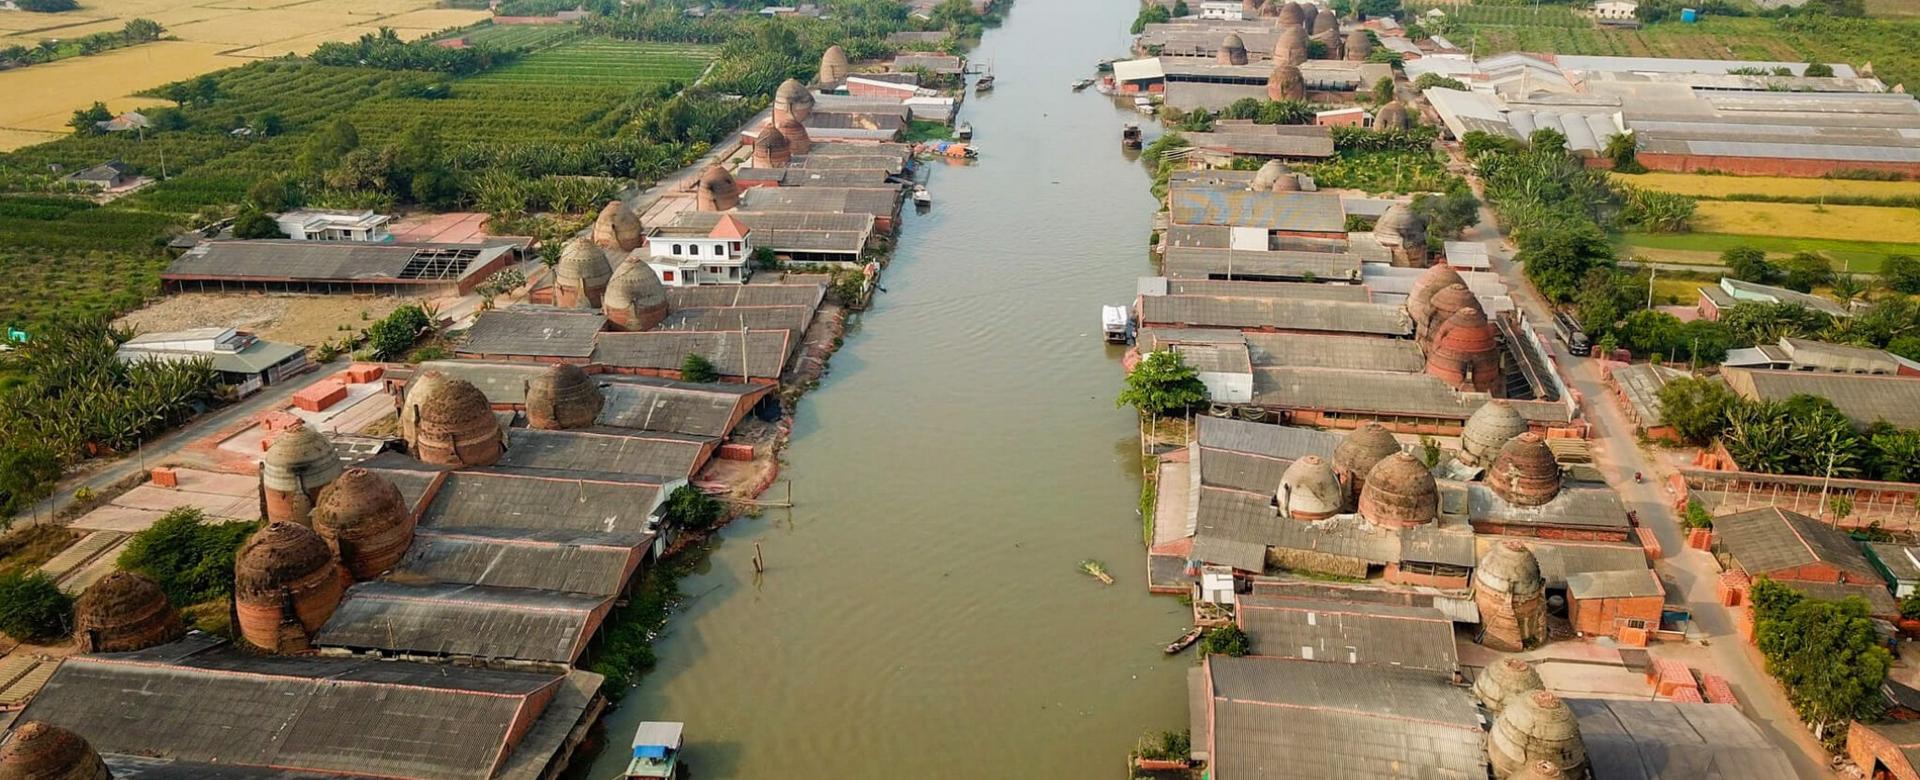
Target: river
<point>922,614</point>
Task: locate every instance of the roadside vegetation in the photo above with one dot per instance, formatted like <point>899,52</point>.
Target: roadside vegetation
<point>136,31</point>
<point>1825,653</point>
<point>191,557</point>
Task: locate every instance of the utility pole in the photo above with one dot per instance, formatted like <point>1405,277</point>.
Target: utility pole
<point>1832,455</point>
<point>1652,272</point>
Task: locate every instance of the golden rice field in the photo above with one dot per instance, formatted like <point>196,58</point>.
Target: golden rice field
<point>1703,186</point>
<point>1804,220</point>
<point>213,34</point>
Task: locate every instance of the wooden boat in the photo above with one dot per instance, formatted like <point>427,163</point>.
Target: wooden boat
<point>1185,641</point>
<point>963,131</point>
<point>985,84</point>
<point>921,197</point>
<point>1082,84</point>
<point>1130,136</point>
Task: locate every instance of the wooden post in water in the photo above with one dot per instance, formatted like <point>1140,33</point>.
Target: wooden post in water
<point>759,561</point>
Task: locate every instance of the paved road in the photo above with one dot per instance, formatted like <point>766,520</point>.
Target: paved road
<point>1617,454</point>
<point>158,450</point>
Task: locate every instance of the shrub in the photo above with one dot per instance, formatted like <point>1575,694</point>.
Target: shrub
<point>1162,383</point>
<point>191,557</point>
<point>690,508</point>
<point>394,335</point>
<point>1226,640</point>
<point>254,223</point>
<point>1698,516</point>
<point>32,608</point>
<point>697,368</point>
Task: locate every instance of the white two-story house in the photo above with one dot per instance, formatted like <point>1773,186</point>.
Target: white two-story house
<point>687,257</point>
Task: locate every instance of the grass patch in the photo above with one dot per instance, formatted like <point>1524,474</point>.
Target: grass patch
<point>1149,499</point>
<point>603,62</point>
<point>31,546</point>
<point>1723,187</point>
<point>1676,292</point>
<point>1802,220</point>
<point>1705,248</point>
<point>926,130</point>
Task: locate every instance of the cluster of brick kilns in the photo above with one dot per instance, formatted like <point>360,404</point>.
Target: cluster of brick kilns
<point>122,612</point>
<point>1461,344</point>
<point>1535,735</point>
<point>1369,473</point>
<point>1299,24</point>
<point>609,270</point>
<point>785,133</point>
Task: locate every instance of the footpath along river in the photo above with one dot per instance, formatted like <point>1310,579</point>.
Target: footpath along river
<point>922,614</point>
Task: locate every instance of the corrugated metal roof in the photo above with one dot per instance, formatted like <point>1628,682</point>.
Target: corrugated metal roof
<point>1255,289</point>
<point>1264,145</point>
<point>746,295</point>
<point>1663,740</point>
<point>466,621</point>
<point>1562,559</point>
<point>1614,584</point>
<point>1864,399</point>
<point>1185,262</point>
<point>535,332</point>
<point>881,202</point>
<point>1366,392</point>
<point>1772,539</point>
<point>1282,718</point>
<point>664,456</point>
<point>1358,353</point>
<point>1275,441</point>
<point>1898,559</point>
<point>469,500</point>
<point>638,402</point>
<point>1313,212</point>
<point>667,350</point>
<point>1582,507</point>
<point>319,260</point>
<point>1270,312</point>
<point>571,562</point>
<point>1340,632</point>
<point>793,318</point>
<point>1641,383</point>
<point>349,716</point>
<point>126,767</point>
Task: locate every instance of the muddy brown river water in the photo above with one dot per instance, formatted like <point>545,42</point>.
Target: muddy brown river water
<point>922,614</point>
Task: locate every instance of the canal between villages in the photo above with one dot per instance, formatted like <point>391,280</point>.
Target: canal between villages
<point>922,614</point>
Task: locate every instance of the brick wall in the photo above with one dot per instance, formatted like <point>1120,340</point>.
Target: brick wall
<point>1764,166</point>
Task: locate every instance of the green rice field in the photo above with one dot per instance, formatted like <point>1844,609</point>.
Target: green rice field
<point>603,62</point>
<point>520,36</point>
<point>1705,248</point>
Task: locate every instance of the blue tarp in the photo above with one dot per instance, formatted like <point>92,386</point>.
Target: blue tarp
<point>649,751</point>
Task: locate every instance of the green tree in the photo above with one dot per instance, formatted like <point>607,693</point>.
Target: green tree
<point>1749,264</point>
<point>47,6</point>
<point>87,121</point>
<point>393,336</point>
<point>1163,383</point>
<point>138,30</point>
<point>1827,655</point>
<point>190,556</point>
<point>32,608</point>
<point>324,149</point>
<point>1901,273</point>
<point>1153,13</point>
<point>273,193</point>
<point>205,89</point>
<point>1557,258</point>
<point>1819,70</point>
<point>1448,215</point>
<point>1226,640</point>
<point>687,507</point>
<point>1696,408</point>
<point>1805,271</point>
<point>1848,287</point>
<point>254,223</point>
<point>1547,139</point>
<point>1180,9</point>
<point>1906,346</point>
<point>697,368</point>
<point>1383,91</point>
<point>28,472</point>
<point>1622,149</point>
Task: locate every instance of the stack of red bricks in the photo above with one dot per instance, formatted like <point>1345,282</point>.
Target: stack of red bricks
<point>1717,690</point>
<point>1669,677</point>
<point>1733,588</point>
<point>1700,539</point>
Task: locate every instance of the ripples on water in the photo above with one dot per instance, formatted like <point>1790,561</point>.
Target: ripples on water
<point>922,615</point>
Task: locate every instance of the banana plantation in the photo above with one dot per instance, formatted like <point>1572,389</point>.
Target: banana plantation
<point>68,393</point>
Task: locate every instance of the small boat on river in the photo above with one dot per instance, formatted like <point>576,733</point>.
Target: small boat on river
<point>1130,136</point>
<point>963,131</point>
<point>1185,641</point>
<point>921,197</point>
<point>985,84</point>
<point>1082,84</point>
<point>656,752</point>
